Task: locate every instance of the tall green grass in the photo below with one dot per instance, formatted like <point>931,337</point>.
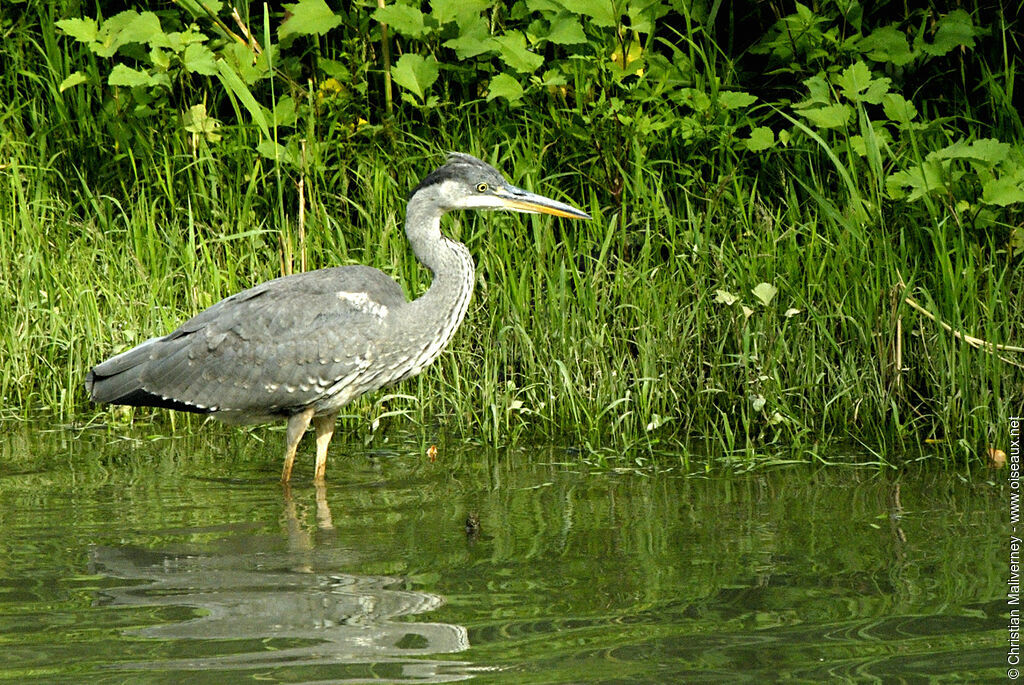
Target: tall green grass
<point>616,335</point>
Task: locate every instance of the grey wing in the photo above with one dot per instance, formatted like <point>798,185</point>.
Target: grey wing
<point>267,351</point>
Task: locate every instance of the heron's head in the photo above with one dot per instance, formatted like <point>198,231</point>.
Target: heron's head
<point>466,182</point>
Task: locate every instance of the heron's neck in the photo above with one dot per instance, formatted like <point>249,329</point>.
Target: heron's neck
<point>448,260</point>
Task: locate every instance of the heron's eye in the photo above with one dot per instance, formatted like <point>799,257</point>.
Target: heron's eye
<point>481,187</point>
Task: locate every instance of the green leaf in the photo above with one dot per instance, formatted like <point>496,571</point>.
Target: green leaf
<point>132,27</point>
<point>765,292</point>
<point>72,80</point>
<point>956,29</point>
<point>566,30</point>
<point>1003,191</point>
<point>415,74</point>
<point>406,20</point>
<point>236,87</point>
<point>82,30</point>
<point>986,150</point>
<point>829,116</point>
<point>601,12</point>
<point>512,51</point>
<point>122,75</point>
<point>199,59</point>
<point>858,86</point>
<point>919,180</point>
<point>887,44</point>
<point>197,121</point>
<point>735,99</point>
<point>275,151</point>
<point>308,17</point>
<point>504,86</point>
<point>761,138</point>
<point>898,108</point>
<point>463,12</point>
<point>725,297</point>
<point>474,40</point>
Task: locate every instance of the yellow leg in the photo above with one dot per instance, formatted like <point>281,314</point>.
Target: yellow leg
<point>297,425</point>
<point>324,432</point>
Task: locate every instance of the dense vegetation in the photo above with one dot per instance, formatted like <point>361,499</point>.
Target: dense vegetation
<point>807,225</point>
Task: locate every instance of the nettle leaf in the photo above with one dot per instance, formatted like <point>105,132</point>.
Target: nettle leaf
<point>919,181</point>
<point>123,75</point>
<point>474,39</point>
<point>504,86</point>
<point>132,27</point>
<point>82,30</point>
<point>829,116</point>
<point>735,99</point>
<point>986,150</point>
<point>404,19</point>
<point>887,44</point>
<point>415,73</point>
<point>898,108</point>
<point>566,30</point>
<point>200,59</point>
<point>858,86</point>
<point>463,12</point>
<point>818,92</point>
<point>601,12</point>
<point>956,29</point>
<point>1004,191</point>
<point>308,17</point>
<point>765,292</point>
<point>761,138</point>
<point>72,80</point>
<point>512,51</point>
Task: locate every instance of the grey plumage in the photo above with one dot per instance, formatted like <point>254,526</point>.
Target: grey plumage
<point>302,346</point>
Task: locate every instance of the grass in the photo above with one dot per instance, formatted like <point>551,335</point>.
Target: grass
<point>611,333</point>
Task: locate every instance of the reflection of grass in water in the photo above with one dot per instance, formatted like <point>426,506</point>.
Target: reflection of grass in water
<point>571,573</point>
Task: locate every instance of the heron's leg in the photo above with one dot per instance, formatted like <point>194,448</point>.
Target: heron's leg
<point>297,425</point>
<point>324,432</point>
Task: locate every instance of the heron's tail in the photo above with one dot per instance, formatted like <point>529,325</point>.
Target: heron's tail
<point>119,379</point>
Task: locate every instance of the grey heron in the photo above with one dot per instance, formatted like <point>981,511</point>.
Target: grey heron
<point>301,347</point>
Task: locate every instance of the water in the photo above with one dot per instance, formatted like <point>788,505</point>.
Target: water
<point>183,560</point>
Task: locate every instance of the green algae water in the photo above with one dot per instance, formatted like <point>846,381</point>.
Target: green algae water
<point>128,559</point>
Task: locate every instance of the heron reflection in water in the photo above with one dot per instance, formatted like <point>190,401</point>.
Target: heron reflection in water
<point>301,347</point>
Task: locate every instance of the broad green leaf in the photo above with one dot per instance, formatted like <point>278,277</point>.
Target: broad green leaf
<point>987,150</point>
<point>415,74</point>
<point>82,30</point>
<point>761,138</point>
<point>462,12</point>
<point>472,41</point>
<point>197,121</point>
<point>72,80</point>
<point>887,44</point>
<point>504,86</point>
<point>829,116</point>
<point>512,51</point>
<point>725,297</point>
<point>818,92</point>
<point>765,292</point>
<point>284,112</point>
<point>275,151</point>
<point>566,30</point>
<point>199,59</point>
<point>308,17</point>
<point>735,99</point>
<point>1003,191</point>
<point>406,20</point>
<point>956,29</point>
<point>123,75</point>
<point>601,12</point>
<point>919,181</point>
<point>898,108</point>
<point>856,82</point>
<point>132,27</point>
